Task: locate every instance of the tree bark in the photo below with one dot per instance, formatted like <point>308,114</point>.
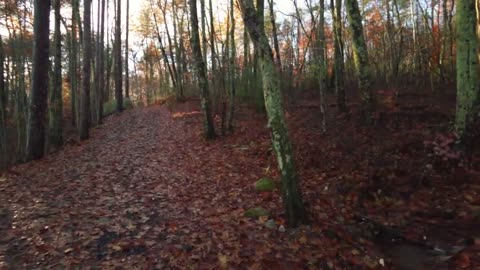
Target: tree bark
<point>232,68</point>
<point>101,64</point>
<point>127,80</point>
<point>291,195</point>
<point>39,94</point>
<point>209,129</point>
<point>275,35</point>
<point>56,101</point>
<point>3,106</point>
<point>360,54</point>
<point>467,68</point>
<point>73,64</point>
<point>118,58</point>
<point>322,65</point>
<point>339,67</point>
<point>85,115</point>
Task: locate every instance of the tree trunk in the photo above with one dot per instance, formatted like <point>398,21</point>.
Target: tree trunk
<point>56,101</point>
<point>38,103</point>
<point>291,195</point>
<point>3,106</point>
<point>322,65</point>
<point>85,115</point>
<point>73,64</point>
<point>339,67</point>
<point>275,35</point>
<point>127,80</point>
<point>467,68</point>
<point>360,54</point>
<point>101,64</point>
<point>232,68</point>
<point>118,58</point>
<point>209,129</point>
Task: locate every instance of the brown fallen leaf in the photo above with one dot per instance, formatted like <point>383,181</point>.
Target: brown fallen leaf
<point>223,261</point>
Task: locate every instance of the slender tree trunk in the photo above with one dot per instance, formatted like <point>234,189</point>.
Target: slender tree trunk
<point>85,115</point>
<point>291,194</point>
<point>275,35</point>
<point>467,68</point>
<point>257,77</point>
<point>339,68</point>
<point>170,45</point>
<point>360,53</point>
<point>178,53</point>
<point>56,101</point>
<point>232,68</point>
<point>73,63</point>
<point>164,53</point>
<point>204,31</point>
<point>322,67</point>
<point>36,136</point>
<point>101,48</point>
<point>118,58</point>
<point>127,80</point>
<point>209,129</point>
<point>3,106</point>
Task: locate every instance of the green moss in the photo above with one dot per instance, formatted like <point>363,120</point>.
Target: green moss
<point>256,212</point>
<point>111,106</point>
<point>265,184</point>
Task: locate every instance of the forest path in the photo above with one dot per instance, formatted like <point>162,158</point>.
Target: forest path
<point>142,192</point>
<point>146,191</point>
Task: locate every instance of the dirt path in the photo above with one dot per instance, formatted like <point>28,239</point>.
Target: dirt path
<point>144,192</point>
<point>147,192</point>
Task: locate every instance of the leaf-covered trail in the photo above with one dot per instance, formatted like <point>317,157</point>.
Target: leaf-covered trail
<point>143,193</point>
<point>148,192</point>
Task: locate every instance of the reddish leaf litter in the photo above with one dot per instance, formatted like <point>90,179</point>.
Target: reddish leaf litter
<point>148,192</point>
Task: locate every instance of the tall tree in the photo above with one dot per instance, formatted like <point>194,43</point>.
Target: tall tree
<point>3,106</point>
<point>127,79</point>
<point>101,63</point>
<point>467,68</point>
<point>56,102</point>
<point>291,195</point>
<point>85,115</point>
<point>39,94</point>
<point>232,68</point>
<point>100,66</point>
<point>274,34</point>
<point>336,7</point>
<point>73,63</point>
<point>201,70</point>
<point>360,53</point>
<point>118,58</point>
<point>322,64</point>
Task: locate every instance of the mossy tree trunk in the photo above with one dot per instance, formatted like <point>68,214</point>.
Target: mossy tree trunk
<point>360,54</point>
<point>201,70</point>
<point>467,68</point>
<point>36,133</point>
<point>291,195</point>
<point>56,102</point>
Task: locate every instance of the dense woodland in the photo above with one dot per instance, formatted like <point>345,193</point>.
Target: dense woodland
<point>330,99</point>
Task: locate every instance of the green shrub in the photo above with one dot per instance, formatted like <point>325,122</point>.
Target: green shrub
<point>111,106</point>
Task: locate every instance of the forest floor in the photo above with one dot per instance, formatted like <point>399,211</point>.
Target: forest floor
<point>147,191</point>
